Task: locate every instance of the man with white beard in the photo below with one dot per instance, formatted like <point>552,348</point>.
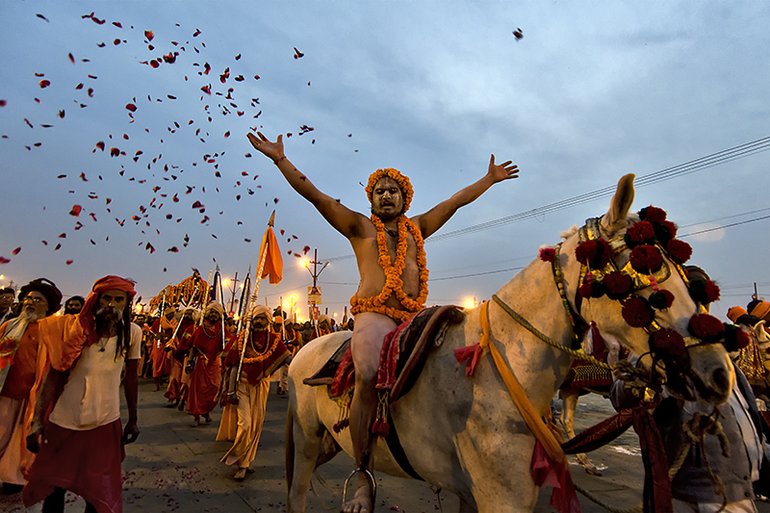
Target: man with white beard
<point>18,357</point>
<point>81,443</point>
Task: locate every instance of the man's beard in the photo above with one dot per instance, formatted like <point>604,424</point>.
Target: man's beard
<point>386,217</point>
<point>71,310</point>
<point>106,318</point>
<point>30,314</point>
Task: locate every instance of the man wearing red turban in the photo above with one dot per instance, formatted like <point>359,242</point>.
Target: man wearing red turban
<point>86,354</point>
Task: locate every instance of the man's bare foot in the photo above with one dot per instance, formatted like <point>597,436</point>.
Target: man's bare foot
<point>361,501</point>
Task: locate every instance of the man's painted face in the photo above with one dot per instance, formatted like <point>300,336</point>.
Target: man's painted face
<point>213,316</point>
<point>387,200</point>
<point>35,304</point>
<point>260,322</point>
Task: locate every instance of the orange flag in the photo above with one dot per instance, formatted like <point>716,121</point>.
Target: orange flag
<point>273,261</point>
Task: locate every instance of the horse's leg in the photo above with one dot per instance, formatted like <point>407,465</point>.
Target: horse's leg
<point>497,485</point>
<point>306,447</point>
<point>569,405</point>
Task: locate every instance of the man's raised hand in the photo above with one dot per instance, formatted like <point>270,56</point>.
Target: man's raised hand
<point>504,171</point>
<point>272,150</point>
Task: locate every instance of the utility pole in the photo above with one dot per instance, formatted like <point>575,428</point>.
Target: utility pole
<point>314,294</point>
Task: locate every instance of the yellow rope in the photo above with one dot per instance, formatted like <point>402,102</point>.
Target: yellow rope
<point>531,417</point>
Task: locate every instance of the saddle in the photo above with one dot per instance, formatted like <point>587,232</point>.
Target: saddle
<point>402,357</point>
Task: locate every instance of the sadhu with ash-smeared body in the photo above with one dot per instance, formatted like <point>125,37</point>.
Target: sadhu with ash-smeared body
<point>392,270</point>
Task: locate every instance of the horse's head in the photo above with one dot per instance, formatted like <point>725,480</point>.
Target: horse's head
<point>625,275</point>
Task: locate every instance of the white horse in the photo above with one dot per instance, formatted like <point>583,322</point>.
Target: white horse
<point>465,435</point>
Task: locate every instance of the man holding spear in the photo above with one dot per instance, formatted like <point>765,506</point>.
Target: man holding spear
<point>257,353</point>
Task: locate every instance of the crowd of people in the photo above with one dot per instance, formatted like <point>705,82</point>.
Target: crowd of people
<point>62,368</point>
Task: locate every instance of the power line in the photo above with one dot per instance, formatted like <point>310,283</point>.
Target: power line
<point>714,159</point>
<point>692,166</point>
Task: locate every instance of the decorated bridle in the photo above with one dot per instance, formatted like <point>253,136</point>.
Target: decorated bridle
<point>654,250</point>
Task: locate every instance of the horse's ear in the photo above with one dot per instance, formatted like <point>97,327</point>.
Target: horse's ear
<point>615,218</point>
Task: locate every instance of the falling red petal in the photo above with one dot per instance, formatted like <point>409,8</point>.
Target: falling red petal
<point>16,251</point>
<point>72,58</point>
<point>69,262</point>
<point>131,107</point>
<point>76,209</point>
<point>44,83</point>
<point>149,35</point>
<point>4,260</point>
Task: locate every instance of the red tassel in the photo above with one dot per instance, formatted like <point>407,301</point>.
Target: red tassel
<point>641,233</point>
<point>547,254</point>
<point>679,251</point>
<point>595,253</point>
<point>637,312</point>
<point>661,300</point>
<point>706,327</point>
<point>646,259</point>
<point>470,353</point>
<point>652,214</point>
<point>735,338</point>
<point>618,285</point>
<point>667,341</point>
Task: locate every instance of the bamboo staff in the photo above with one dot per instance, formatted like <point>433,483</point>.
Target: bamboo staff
<point>254,297</point>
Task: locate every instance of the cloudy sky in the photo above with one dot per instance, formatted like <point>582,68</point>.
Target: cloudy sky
<point>592,91</point>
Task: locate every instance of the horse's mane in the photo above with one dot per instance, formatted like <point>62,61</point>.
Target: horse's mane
<point>566,234</point>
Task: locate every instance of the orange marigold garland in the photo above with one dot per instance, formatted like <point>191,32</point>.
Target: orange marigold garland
<point>394,285</point>
<point>261,356</point>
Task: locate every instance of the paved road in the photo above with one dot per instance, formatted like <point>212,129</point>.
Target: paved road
<point>174,467</point>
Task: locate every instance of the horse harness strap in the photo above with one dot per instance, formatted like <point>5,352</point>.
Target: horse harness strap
<point>531,417</point>
<point>545,338</point>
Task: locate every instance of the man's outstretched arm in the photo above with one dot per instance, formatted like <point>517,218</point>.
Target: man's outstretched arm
<point>433,219</point>
<point>342,219</point>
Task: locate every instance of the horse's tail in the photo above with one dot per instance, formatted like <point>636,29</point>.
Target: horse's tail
<point>289,454</point>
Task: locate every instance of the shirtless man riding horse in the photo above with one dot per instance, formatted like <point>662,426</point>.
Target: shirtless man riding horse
<point>393,275</point>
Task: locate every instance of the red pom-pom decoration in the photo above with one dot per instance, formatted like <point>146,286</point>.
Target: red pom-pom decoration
<point>667,342</point>
<point>661,299</point>
<point>594,253</point>
<point>706,327</point>
<point>652,214</point>
<point>665,231</point>
<point>735,338</point>
<point>679,251</point>
<point>591,289</point>
<point>641,233</point>
<point>646,259</point>
<point>547,254</point>
<point>618,285</point>
<point>704,291</point>
<point>637,312</point>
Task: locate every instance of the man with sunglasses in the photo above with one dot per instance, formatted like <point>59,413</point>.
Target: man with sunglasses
<point>19,341</point>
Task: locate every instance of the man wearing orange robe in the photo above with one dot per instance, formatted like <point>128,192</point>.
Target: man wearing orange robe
<point>206,344</point>
<point>178,348</point>
<point>162,329</point>
<point>19,340</point>
<point>80,445</point>
<point>263,353</point>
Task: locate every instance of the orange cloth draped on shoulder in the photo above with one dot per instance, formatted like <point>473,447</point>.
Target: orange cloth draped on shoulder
<point>273,260</point>
<point>207,373</point>
<point>61,341</point>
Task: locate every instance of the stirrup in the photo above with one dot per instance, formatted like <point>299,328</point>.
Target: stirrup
<point>369,477</point>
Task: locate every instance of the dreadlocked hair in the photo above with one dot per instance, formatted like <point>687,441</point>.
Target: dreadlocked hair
<point>124,332</point>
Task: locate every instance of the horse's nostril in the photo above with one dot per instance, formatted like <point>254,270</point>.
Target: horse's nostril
<point>721,380</point>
